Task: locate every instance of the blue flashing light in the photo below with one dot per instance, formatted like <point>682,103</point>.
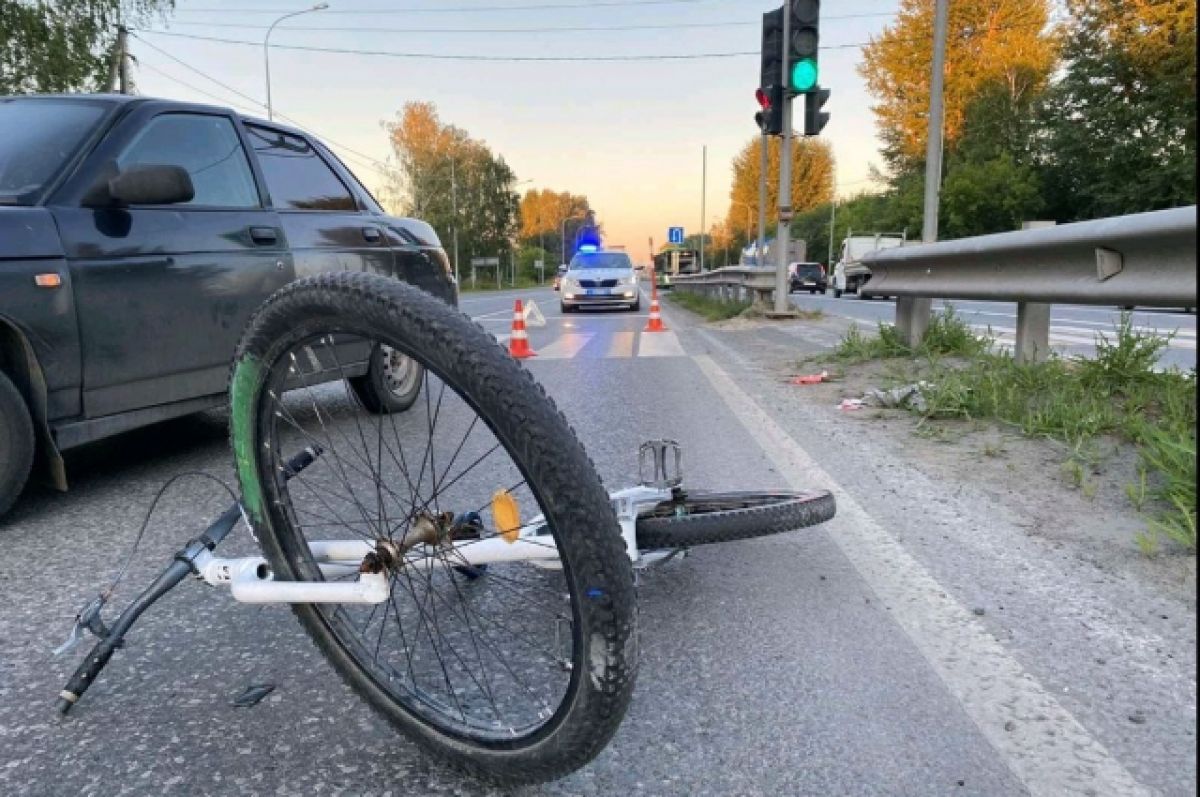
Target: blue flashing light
<point>588,248</point>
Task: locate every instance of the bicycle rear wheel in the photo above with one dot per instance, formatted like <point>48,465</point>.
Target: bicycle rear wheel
<point>703,518</point>
<point>517,674</point>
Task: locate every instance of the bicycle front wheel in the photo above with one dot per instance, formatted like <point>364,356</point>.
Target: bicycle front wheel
<point>702,518</point>
<point>516,673</point>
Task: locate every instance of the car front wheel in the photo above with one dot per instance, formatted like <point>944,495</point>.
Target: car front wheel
<point>16,443</point>
<point>391,384</point>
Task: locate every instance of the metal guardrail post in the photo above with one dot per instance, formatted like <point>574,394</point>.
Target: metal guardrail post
<point>912,319</point>
<point>1033,332</point>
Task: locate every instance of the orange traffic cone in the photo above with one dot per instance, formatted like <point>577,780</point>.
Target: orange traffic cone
<point>518,342</point>
<point>655,324</point>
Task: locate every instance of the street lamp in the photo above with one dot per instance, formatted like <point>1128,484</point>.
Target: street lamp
<point>563,235</point>
<point>267,49</point>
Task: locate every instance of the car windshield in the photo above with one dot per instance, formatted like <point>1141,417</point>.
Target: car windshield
<point>37,138</point>
<point>601,260</point>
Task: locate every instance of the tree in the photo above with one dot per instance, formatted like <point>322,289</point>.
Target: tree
<point>65,45</point>
<point>543,213</point>
<point>1121,124</point>
<point>980,197</point>
<point>812,183</point>
<point>990,44</point>
<point>452,181</point>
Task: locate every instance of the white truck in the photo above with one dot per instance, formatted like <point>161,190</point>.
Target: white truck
<point>850,274</point>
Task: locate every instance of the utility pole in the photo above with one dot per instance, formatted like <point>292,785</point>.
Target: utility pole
<point>703,191</point>
<point>784,233</point>
<point>119,71</point>
<point>832,217</point>
<point>912,314</point>
<point>763,163</point>
<point>454,212</point>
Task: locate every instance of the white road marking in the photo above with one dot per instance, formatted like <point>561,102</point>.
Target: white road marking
<point>565,347</point>
<point>660,344</point>
<point>621,345</point>
<point>1047,748</point>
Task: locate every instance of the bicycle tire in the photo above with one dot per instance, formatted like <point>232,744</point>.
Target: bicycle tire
<point>536,435</point>
<point>723,517</point>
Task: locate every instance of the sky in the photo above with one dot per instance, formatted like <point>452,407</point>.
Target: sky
<point>630,135</point>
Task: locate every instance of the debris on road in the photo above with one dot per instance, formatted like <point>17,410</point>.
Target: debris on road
<point>810,379</point>
<point>908,396</point>
<point>253,694</point>
<point>851,404</point>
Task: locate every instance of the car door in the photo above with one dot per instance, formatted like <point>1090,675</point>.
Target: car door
<point>326,226</point>
<point>163,293</point>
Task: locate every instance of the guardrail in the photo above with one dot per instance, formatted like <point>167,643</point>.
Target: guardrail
<point>731,283</point>
<point>1146,259</point>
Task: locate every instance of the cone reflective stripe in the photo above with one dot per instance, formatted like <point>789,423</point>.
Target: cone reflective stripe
<point>518,342</point>
<point>655,324</point>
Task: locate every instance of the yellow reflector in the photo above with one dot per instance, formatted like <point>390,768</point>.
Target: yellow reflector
<point>506,515</point>
<point>47,280</point>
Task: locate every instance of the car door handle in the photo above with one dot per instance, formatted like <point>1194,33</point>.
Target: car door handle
<point>372,234</point>
<point>264,236</point>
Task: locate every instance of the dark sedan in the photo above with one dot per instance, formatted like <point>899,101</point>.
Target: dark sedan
<point>136,237</point>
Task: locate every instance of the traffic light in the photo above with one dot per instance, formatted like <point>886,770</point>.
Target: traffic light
<point>804,24</point>
<point>772,48</point>
<point>770,118</point>
<point>814,117</point>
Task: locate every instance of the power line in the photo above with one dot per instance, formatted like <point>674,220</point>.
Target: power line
<point>503,31</point>
<point>463,9</point>
<point>501,58</point>
<point>455,57</point>
<point>362,160</point>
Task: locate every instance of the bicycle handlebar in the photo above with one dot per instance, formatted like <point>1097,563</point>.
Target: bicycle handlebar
<point>89,669</point>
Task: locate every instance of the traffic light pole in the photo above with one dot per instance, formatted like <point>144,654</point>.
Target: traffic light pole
<point>783,235</point>
<point>763,165</point>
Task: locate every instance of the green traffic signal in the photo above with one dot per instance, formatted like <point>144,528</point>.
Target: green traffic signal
<point>804,74</point>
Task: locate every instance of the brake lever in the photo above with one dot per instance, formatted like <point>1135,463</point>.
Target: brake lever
<point>87,619</point>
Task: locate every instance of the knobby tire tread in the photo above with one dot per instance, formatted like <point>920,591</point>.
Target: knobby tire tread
<point>539,437</point>
<point>791,512</point>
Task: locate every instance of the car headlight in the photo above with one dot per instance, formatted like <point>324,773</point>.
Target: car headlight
<point>628,280</point>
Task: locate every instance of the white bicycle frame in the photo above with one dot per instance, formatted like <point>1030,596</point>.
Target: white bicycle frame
<point>251,580</point>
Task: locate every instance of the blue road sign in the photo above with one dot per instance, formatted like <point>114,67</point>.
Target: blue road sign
<point>675,235</point>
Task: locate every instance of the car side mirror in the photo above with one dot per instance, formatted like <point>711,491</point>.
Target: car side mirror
<point>144,184</point>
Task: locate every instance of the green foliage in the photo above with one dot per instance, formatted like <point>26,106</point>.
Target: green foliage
<point>454,182</point>
<point>989,196</point>
<point>1120,127</point>
<point>947,336</point>
<point>64,45</point>
<point>527,257</point>
<point>1118,392</point>
<point>711,309</point>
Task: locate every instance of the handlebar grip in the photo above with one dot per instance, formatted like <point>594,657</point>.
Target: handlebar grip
<point>85,675</point>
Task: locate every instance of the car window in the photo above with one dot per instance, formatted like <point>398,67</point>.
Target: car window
<point>601,260</point>
<point>296,175</point>
<point>37,137</point>
<point>208,147</point>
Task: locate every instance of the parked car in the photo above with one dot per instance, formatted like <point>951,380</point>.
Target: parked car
<point>137,235</point>
<point>600,279</point>
<point>807,276</point>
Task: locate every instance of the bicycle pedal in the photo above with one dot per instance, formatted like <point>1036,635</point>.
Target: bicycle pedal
<point>666,472</point>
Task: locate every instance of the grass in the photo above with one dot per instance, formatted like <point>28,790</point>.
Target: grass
<point>711,309</point>
<point>1117,393</point>
<point>948,335</point>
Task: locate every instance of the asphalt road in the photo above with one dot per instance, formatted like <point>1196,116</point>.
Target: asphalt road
<point>864,657</point>
<point>1073,327</point>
